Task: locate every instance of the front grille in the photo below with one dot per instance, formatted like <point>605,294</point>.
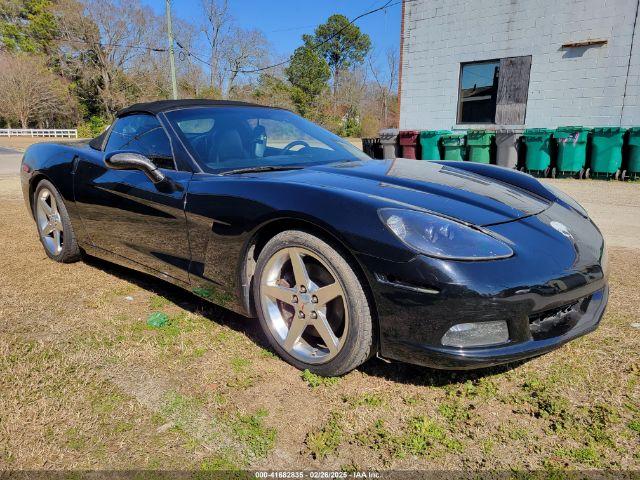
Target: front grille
<point>556,321</point>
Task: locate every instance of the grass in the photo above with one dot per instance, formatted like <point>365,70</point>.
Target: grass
<point>224,461</point>
<point>180,410</point>
<point>587,455</point>
<point>371,400</point>
<point>376,437</point>
<point>250,429</point>
<point>157,302</point>
<point>244,375</point>
<point>423,436</point>
<point>87,385</point>
<point>326,440</point>
<point>315,381</point>
<point>454,411</point>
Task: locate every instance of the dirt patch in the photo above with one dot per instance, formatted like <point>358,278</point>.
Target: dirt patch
<point>87,384</point>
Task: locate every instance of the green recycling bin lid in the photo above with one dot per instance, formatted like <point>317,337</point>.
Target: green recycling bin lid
<point>480,138</point>
<point>538,131</point>
<point>608,130</point>
<point>537,134</point>
<point>634,136</point>
<point>453,138</point>
<point>576,134</point>
<point>573,128</point>
<point>433,133</point>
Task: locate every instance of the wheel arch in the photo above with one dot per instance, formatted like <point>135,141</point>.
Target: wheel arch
<point>267,231</point>
<point>34,181</point>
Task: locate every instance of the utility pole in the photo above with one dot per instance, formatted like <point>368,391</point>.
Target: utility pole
<point>172,59</point>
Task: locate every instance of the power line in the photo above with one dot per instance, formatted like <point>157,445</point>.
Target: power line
<point>326,40</point>
<point>189,53</point>
<point>121,45</point>
<point>388,4</point>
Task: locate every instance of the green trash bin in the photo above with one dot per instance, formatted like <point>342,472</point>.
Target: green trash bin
<point>632,169</point>
<point>572,150</point>
<point>537,145</point>
<point>454,146</point>
<point>480,144</point>
<point>431,144</point>
<point>606,151</point>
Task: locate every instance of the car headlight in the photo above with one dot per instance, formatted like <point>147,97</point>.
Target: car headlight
<point>442,238</point>
<point>567,199</point>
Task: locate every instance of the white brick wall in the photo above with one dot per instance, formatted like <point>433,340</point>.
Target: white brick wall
<point>582,86</point>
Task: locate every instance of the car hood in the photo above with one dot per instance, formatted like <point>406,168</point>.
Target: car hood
<point>443,189</point>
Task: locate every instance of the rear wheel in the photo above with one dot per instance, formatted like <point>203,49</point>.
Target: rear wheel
<point>311,305</point>
<point>54,225</point>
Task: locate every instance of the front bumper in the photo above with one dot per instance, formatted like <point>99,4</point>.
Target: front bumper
<point>551,291</point>
<point>470,358</point>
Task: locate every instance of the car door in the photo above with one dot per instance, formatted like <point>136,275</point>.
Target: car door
<point>124,212</point>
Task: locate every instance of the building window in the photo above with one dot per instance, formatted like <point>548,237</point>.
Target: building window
<point>494,91</point>
<point>478,92</point>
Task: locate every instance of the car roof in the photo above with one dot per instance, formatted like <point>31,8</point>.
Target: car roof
<point>165,105</point>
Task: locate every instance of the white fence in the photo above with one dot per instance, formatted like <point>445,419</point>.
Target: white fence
<point>38,132</point>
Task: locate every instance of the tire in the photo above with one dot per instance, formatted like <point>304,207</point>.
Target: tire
<point>66,249</point>
<point>282,299</point>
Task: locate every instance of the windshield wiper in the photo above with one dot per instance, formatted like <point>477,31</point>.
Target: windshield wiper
<point>264,168</point>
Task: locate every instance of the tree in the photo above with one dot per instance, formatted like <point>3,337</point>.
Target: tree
<point>249,50</point>
<point>273,90</point>
<point>31,93</point>
<point>308,74</point>
<point>341,43</point>
<point>386,83</point>
<point>101,42</point>
<point>27,26</point>
<point>216,28</point>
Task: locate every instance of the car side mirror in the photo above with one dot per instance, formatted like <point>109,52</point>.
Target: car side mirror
<point>134,161</point>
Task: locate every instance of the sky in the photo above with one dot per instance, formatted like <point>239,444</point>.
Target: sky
<point>284,21</point>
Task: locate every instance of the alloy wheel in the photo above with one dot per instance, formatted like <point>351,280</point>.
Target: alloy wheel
<point>304,305</point>
<point>49,221</point>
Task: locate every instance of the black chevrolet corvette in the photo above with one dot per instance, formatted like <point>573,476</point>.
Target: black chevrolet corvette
<point>341,257</point>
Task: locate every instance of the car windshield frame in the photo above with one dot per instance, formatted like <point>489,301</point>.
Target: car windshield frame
<point>323,147</point>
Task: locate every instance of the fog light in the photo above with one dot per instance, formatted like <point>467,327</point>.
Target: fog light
<point>480,334</point>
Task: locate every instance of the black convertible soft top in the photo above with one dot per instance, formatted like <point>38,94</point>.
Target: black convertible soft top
<point>164,105</point>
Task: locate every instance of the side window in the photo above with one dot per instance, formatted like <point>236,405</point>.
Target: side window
<point>145,135</point>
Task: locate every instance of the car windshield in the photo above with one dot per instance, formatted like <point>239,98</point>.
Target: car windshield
<point>238,138</point>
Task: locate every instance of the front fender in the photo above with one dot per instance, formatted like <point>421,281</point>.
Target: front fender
<point>224,215</point>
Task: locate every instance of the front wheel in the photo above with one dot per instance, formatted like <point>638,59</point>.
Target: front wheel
<point>54,225</point>
<point>311,305</point>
